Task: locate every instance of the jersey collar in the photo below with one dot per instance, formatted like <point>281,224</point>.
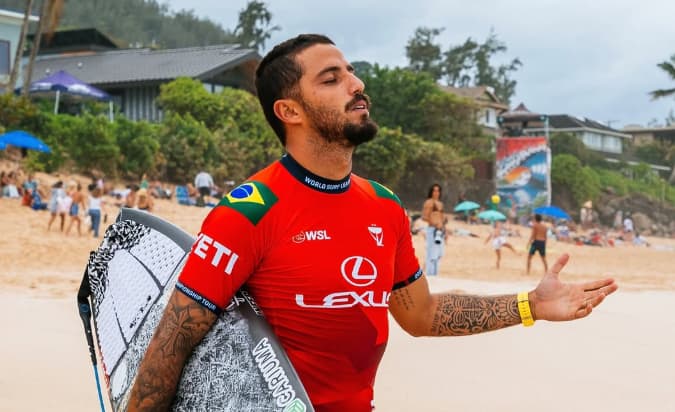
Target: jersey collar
<point>313,181</point>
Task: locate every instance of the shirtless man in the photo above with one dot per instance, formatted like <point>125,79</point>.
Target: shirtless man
<point>432,213</point>
<point>537,242</point>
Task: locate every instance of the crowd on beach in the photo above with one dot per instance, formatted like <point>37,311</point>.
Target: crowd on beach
<point>76,208</point>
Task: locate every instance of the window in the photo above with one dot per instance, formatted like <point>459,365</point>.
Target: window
<point>5,62</point>
<point>487,116</point>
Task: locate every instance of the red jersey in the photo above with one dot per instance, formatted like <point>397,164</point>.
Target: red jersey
<point>320,258</point>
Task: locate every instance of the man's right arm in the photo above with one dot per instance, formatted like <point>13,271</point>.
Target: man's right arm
<point>183,325</point>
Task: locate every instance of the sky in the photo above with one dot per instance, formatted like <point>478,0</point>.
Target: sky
<point>595,59</point>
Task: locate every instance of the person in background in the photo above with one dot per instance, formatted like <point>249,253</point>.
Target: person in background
<point>204,184</point>
<point>95,207</point>
<point>77,203</point>
<point>628,228</point>
<point>499,241</point>
<point>55,200</point>
<point>537,242</point>
<point>144,200</point>
<point>130,199</point>
<point>432,213</point>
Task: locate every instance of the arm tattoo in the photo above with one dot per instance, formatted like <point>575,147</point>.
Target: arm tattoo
<point>181,328</point>
<point>466,315</point>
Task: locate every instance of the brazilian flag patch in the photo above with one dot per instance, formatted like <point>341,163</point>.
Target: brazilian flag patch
<point>383,191</point>
<point>252,199</point>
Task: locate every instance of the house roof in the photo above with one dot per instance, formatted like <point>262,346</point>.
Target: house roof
<point>120,67</point>
<point>563,122</point>
<point>74,40</point>
<point>481,94</point>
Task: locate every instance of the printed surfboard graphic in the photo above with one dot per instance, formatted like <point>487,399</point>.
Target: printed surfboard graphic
<point>239,365</point>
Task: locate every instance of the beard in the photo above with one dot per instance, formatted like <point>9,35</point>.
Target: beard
<point>333,127</point>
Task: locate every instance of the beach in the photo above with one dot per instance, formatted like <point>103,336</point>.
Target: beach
<point>619,359</point>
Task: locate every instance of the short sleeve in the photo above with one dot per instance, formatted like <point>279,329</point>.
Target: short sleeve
<point>221,260</point>
<point>407,268</point>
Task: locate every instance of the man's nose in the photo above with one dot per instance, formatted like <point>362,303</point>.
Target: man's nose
<point>357,85</point>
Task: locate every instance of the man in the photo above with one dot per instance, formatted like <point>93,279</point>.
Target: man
<point>204,184</point>
<point>432,214</point>
<point>324,252</point>
<point>537,242</point>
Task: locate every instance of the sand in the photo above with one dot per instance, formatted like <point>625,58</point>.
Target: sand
<point>620,358</point>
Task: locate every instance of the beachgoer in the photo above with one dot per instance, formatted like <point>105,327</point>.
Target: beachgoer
<point>77,203</point>
<point>325,253</point>
<point>204,184</point>
<point>499,241</point>
<point>95,207</point>
<point>537,242</point>
<point>56,204</point>
<point>131,197</point>
<point>432,213</point>
<point>144,200</point>
<point>628,228</point>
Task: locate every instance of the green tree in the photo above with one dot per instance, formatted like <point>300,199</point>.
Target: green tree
<point>667,66</point>
<point>138,144</point>
<point>412,101</point>
<point>253,29</point>
<point>568,143</point>
<point>423,54</point>
<point>187,147</point>
<point>581,181</point>
<point>467,64</point>
<point>188,96</point>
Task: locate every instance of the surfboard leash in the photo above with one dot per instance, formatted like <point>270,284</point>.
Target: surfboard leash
<point>84,308</point>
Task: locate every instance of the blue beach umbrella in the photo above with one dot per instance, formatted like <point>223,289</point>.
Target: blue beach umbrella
<point>466,206</point>
<point>24,140</point>
<point>552,211</point>
<point>491,215</point>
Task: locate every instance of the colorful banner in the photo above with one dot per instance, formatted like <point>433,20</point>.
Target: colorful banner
<point>523,167</point>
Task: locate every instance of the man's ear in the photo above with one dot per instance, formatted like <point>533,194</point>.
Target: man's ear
<point>288,111</point>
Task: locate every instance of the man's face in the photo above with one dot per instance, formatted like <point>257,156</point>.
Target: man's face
<point>332,96</point>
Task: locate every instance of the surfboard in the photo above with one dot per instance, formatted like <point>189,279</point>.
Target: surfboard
<point>239,366</point>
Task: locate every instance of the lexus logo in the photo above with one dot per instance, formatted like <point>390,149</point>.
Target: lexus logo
<point>359,271</point>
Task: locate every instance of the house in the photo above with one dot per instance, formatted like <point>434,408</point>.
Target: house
<point>10,31</point>
<point>609,142</point>
<point>596,136</point>
<point>645,135</point>
<point>489,106</point>
<point>133,76</point>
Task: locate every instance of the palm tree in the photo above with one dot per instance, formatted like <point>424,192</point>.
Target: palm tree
<point>668,67</point>
<point>50,16</point>
<point>253,27</point>
<point>19,48</point>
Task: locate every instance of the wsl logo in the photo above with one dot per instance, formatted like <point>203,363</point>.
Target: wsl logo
<point>310,235</point>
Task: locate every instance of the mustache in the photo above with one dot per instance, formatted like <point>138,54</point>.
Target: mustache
<point>358,98</point>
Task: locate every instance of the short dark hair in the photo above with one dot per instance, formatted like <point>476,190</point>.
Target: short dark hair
<point>278,74</point>
<point>537,217</point>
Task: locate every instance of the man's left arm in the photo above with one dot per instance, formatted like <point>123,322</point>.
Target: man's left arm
<point>421,313</point>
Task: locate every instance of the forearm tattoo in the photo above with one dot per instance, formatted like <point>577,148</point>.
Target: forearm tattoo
<point>182,326</point>
<point>466,314</point>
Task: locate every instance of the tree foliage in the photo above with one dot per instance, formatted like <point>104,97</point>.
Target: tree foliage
<point>667,66</point>
<point>581,181</point>
<point>412,101</point>
<point>567,143</point>
<point>467,64</point>
<point>253,28</point>
<point>139,23</point>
